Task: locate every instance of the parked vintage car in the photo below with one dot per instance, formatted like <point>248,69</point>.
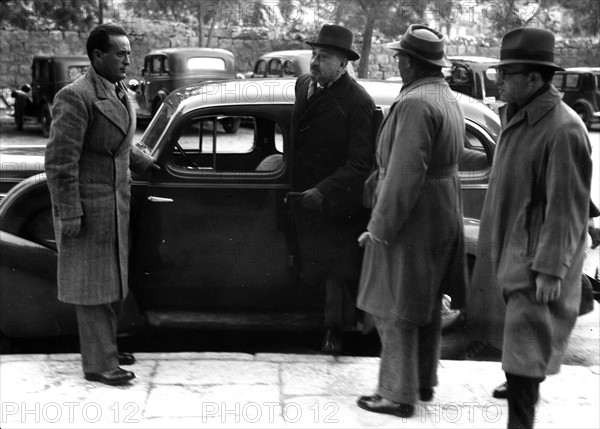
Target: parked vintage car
<point>49,73</point>
<point>581,89</point>
<point>213,243</point>
<point>291,63</point>
<point>168,69</point>
<point>467,76</point>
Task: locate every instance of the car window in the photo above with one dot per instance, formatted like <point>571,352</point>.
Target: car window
<point>227,144</point>
<point>274,69</point>
<point>75,71</point>
<point>597,77</point>
<point>571,81</point>
<point>260,69</point>
<point>289,69</point>
<point>477,154</point>
<point>557,81</point>
<point>205,63</point>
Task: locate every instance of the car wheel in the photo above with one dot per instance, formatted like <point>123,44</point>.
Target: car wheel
<point>46,120</point>
<point>231,125</point>
<point>585,115</point>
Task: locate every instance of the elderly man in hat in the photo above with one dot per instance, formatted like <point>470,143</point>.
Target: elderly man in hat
<point>334,123</point>
<point>414,251</point>
<point>533,229</point>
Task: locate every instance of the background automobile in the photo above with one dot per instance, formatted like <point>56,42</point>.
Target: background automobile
<point>213,243</point>
<point>290,63</point>
<point>168,69</point>
<point>581,90</point>
<point>467,76</point>
<point>49,73</point>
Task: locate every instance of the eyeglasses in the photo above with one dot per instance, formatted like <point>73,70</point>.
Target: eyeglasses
<point>397,57</point>
<point>492,73</point>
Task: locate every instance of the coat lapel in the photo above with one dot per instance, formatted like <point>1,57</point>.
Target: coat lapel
<point>109,105</point>
<point>327,100</point>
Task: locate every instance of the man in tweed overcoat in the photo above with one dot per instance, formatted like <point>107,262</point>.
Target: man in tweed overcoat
<point>87,164</point>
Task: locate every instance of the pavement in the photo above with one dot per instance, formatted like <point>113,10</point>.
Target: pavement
<point>197,390</point>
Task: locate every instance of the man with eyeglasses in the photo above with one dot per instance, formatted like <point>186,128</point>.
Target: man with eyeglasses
<point>532,238</point>
<point>333,130</point>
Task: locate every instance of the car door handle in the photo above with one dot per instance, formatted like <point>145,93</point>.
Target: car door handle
<point>160,199</point>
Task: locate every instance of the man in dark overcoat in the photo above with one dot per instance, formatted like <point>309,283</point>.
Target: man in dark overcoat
<point>87,165</point>
<point>333,130</point>
<point>532,238</point>
<point>414,251</point>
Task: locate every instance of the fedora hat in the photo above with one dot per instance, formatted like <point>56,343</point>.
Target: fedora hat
<point>337,37</point>
<point>423,43</point>
<point>528,46</point>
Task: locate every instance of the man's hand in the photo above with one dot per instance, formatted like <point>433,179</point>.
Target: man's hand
<point>547,288</point>
<point>367,237</point>
<point>153,164</point>
<point>312,199</point>
<point>70,227</point>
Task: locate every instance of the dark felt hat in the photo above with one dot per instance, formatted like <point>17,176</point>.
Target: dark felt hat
<point>424,43</point>
<point>528,46</point>
<point>337,37</point>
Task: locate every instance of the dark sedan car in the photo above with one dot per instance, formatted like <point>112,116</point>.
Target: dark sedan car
<point>213,239</point>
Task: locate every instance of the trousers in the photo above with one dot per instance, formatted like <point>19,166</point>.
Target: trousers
<point>98,336</point>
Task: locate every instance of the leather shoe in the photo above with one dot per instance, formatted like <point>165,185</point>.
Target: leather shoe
<point>332,342</point>
<point>501,392</point>
<point>377,404</point>
<point>426,394</point>
<point>126,358</point>
<point>113,377</point>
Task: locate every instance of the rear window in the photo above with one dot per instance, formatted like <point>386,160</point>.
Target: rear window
<point>206,63</point>
<point>75,71</point>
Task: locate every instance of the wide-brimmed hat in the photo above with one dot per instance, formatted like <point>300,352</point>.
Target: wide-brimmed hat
<point>337,37</point>
<point>528,46</point>
<point>423,43</point>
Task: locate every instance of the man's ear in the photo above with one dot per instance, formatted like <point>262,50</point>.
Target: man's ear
<point>97,54</point>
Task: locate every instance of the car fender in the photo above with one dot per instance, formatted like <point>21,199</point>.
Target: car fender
<point>28,292</point>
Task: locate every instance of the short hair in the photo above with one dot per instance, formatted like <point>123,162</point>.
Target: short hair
<point>99,38</point>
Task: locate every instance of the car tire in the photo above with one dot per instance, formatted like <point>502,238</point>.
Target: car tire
<point>231,125</point>
<point>46,120</point>
<point>585,115</point>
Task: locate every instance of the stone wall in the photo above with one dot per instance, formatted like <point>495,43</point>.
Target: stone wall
<point>17,48</point>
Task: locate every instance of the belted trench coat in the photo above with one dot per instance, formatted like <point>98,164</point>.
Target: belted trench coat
<point>87,163</point>
<point>533,221</point>
<point>417,207</point>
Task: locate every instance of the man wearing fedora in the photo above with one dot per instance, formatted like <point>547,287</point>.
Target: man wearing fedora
<point>533,228</point>
<point>334,123</point>
<point>414,250</point>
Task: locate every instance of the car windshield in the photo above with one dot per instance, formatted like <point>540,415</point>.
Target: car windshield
<point>155,129</point>
<point>206,63</point>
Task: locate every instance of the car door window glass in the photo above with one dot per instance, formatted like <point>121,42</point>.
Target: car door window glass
<point>274,68</point>
<point>557,81</point>
<point>261,68</point>
<point>228,144</point>
<point>206,63</point>
<point>571,81</point>
<point>475,156</point>
<point>289,69</point>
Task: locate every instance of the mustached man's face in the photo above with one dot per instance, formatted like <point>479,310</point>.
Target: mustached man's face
<point>326,64</point>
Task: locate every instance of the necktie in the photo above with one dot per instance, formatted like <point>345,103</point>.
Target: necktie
<point>120,94</point>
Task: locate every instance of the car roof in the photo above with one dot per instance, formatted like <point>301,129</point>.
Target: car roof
<point>211,52</point>
<point>62,57</point>
<point>282,91</point>
<point>292,53</point>
<point>474,59</point>
<point>583,69</point>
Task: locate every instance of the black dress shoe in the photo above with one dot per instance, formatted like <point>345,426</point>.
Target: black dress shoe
<point>501,392</point>
<point>332,342</point>
<point>126,358</point>
<point>113,377</point>
<point>377,404</point>
<point>426,394</point>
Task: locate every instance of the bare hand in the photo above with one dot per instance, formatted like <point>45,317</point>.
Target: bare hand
<point>547,288</point>
<point>154,165</point>
<point>70,227</point>
<point>312,199</point>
